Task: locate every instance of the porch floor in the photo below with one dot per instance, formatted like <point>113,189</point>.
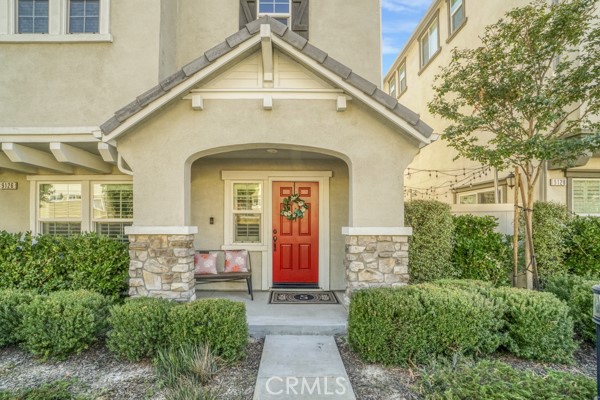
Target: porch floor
<point>286,319</point>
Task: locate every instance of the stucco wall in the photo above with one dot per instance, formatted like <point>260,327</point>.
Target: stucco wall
<point>14,204</point>
<point>207,192</point>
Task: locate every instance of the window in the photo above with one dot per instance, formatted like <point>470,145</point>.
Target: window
<point>278,9</point>
<point>586,196</point>
<point>60,208</point>
<point>486,197</point>
<point>402,78</point>
<point>429,43</point>
<point>84,16</point>
<point>112,205</point>
<point>247,212</point>
<point>33,16</point>
<point>457,15</point>
<point>392,85</point>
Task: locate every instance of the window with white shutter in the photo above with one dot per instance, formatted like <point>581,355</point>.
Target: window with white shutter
<point>586,196</point>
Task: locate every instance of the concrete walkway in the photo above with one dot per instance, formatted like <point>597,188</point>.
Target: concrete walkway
<point>302,367</point>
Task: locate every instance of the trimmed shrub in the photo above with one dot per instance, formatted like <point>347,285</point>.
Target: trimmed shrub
<point>138,328</point>
<point>562,285</point>
<point>581,303</point>
<point>63,322</point>
<point>538,325</point>
<point>550,227</point>
<point>414,323</point>
<point>10,316</point>
<point>430,246</point>
<point>583,255</point>
<point>47,263</point>
<point>494,380</point>
<point>219,323</point>
<point>479,252</point>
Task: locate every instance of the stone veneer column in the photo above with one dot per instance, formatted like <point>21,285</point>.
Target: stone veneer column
<point>161,265</point>
<point>374,261</point>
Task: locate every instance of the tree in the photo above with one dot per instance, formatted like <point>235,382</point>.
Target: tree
<point>529,94</point>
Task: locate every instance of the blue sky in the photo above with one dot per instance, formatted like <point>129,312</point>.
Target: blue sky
<point>399,19</point>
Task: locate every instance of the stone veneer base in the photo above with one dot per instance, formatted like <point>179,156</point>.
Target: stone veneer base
<point>162,265</point>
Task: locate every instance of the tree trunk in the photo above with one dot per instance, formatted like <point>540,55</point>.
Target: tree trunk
<point>527,201</point>
<point>516,229</point>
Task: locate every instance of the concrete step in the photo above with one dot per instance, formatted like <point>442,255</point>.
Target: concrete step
<point>302,367</point>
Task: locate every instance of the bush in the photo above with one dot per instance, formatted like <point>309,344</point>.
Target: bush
<point>47,263</point>
<point>538,325</point>
<point>583,255</point>
<point>219,323</point>
<point>550,228</point>
<point>138,327</point>
<point>10,316</point>
<point>430,246</point>
<point>414,323</point>
<point>57,390</point>
<point>562,285</point>
<point>62,322</point>
<point>191,361</point>
<point>493,380</point>
<point>479,252</point>
<point>581,303</point>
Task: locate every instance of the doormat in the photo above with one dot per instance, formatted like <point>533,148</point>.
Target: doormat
<point>302,297</point>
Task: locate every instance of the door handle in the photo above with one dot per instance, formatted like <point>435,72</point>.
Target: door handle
<point>274,243</point>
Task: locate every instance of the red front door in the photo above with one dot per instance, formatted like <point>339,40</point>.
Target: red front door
<point>296,243</point>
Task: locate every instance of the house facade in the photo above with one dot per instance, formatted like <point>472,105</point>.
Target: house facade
<point>434,174</point>
<point>186,125</point>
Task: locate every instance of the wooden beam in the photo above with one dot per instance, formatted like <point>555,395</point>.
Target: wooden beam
<point>41,159</point>
<point>108,152</point>
<point>5,163</point>
<point>65,153</point>
<point>267,52</point>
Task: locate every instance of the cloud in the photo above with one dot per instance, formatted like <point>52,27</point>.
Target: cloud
<point>389,46</point>
<point>400,6</point>
<point>403,25</point>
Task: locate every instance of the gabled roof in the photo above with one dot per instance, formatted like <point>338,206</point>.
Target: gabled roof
<point>350,81</point>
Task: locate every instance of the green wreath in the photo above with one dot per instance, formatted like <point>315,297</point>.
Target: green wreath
<point>287,207</point>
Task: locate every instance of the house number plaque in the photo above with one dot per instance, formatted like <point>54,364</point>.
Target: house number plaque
<point>558,182</point>
<point>9,186</point>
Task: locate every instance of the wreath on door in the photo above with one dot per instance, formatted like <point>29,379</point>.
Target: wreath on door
<point>301,208</point>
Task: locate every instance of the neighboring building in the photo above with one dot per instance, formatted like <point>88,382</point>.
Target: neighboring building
<point>225,115</point>
<point>434,173</point>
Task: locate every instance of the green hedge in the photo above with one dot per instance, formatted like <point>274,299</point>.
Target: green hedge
<point>562,285</point>
<point>430,246</point>
<point>583,254</point>
<point>63,322</point>
<point>581,303</point>
<point>219,323</point>
<point>414,323</point>
<point>550,229</point>
<point>494,380</point>
<point>10,316</point>
<point>479,252</point>
<point>47,263</point>
<point>139,327</point>
<point>538,325</point>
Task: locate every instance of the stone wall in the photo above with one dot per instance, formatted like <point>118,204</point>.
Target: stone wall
<point>375,261</point>
<point>162,266</point>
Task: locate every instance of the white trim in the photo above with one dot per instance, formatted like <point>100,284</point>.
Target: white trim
<point>60,38</point>
<point>259,94</point>
<point>161,230</point>
<point>266,247</point>
<point>59,178</point>
<point>66,134</point>
<point>377,231</point>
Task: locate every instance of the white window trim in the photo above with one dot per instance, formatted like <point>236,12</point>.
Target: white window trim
<point>58,25</point>
<point>572,190</point>
<point>453,28</point>
<point>229,213</point>
<point>86,181</point>
<point>39,221</point>
<point>267,178</point>
<point>93,220</point>
<point>400,68</point>
<point>477,192</point>
<point>276,15</point>
<point>426,35</point>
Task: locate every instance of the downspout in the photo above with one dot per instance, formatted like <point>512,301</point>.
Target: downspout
<point>121,166</point>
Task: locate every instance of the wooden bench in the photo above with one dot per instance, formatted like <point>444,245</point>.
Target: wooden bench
<point>226,276</point>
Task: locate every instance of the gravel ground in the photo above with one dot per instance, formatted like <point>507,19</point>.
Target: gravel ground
<point>101,376</point>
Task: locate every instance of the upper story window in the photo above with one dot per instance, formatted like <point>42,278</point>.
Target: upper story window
<point>430,43</point>
<point>457,14</point>
<point>279,9</point>
<point>33,16</point>
<point>402,78</point>
<point>84,16</point>
<point>392,85</point>
<point>54,21</point>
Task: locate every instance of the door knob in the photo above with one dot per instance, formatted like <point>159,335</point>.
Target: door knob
<point>274,243</point>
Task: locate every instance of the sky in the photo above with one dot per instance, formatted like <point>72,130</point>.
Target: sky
<point>399,19</point>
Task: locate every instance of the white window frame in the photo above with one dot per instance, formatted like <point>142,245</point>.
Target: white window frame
<point>454,29</point>
<point>86,181</point>
<point>572,194</point>
<point>427,35</point>
<point>401,89</point>
<point>393,89</point>
<point>40,220</point>
<point>93,220</point>
<point>276,15</point>
<point>476,193</point>
<point>58,25</point>
<point>230,212</point>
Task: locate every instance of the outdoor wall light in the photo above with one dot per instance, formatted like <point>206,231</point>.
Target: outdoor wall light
<point>596,318</point>
<point>510,180</point>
